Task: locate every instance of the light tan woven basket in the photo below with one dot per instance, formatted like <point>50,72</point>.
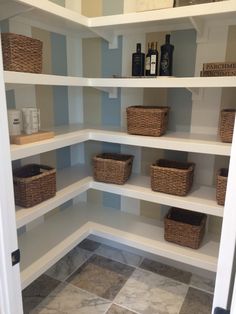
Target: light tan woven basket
<point>172,177</point>
<point>184,227</point>
<point>226,126</point>
<point>221,184</point>
<point>21,53</point>
<point>147,120</point>
<point>112,167</point>
<point>34,184</point>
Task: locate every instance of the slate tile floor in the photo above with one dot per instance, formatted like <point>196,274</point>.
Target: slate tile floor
<point>97,279</point>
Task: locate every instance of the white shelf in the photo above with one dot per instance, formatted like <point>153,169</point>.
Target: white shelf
<point>158,82</point>
<point>173,18</point>
<point>66,136</point>
<point>46,12</point>
<point>75,180</point>
<point>71,182</point>
<point>47,243</point>
<point>201,198</point>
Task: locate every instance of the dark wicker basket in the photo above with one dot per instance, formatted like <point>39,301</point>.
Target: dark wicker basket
<point>184,227</point>
<point>172,177</point>
<point>147,120</point>
<point>112,168</point>
<point>34,184</point>
<point>21,53</point>
<point>227,118</point>
<point>221,184</point>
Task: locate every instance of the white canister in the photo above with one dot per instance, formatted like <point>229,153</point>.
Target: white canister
<point>31,120</point>
<point>14,121</point>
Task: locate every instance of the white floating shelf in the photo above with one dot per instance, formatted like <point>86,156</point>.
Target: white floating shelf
<point>46,12</point>
<point>171,17</point>
<point>75,180</point>
<point>158,82</point>
<point>201,198</point>
<point>46,244</point>
<point>66,136</point>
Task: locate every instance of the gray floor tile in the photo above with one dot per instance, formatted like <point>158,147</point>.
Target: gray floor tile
<point>197,302</point>
<point>150,293</point>
<point>89,245</point>
<point>167,271</point>
<point>115,309</point>
<point>101,276</point>
<point>202,283</point>
<point>67,299</point>
<point>119,255</point>
<point>37,292</point>
<point>69,263</point>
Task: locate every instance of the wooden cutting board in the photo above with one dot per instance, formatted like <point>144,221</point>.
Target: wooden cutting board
<point>35,137</point>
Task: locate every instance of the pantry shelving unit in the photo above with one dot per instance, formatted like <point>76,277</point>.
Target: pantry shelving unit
<point>51,240</point>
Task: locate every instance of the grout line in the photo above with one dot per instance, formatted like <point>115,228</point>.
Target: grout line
<point>116,260</point>
<point>149,271</point>
<point>108,308</point>
<point>125,307</point>
<point>78,267</point>
<point>88,292</point>
<point>201,289</point>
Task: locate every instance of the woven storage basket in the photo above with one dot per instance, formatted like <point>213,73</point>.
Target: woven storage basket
<point>184,227</point>
<point>34,184</point>
<point>148,120</point>
<point>221,184</point>
<point>172,177</point>
<point>112,168</point>
<point>227,125</point>
<point>21,53</point>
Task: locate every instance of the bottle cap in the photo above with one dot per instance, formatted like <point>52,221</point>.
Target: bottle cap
<point>138,47</point>
<point>167,38</point>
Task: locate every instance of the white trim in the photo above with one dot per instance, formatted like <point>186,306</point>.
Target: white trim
<point>9,276</point>
<point>228,238</point>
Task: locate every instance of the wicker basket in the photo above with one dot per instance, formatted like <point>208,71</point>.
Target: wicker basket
<point>21,53</point>
<point>34,184</point>
<point>112,168</point>
<point>172,177</point>
<point>148,120</point>
<point>184,227</point>
<point>221,184</point>
<point>227,125</point>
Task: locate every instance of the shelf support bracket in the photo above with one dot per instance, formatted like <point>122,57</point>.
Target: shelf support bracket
<point>109,36</point>
<point>197,93</point>
<point>112,91</point>
<point>198,25</point>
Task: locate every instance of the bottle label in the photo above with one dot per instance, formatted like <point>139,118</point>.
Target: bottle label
<point>148,64</point>
<point>153,64</point>
<point>165,63</point>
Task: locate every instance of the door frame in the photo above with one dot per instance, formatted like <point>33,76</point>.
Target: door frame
<point>10,286</point>
<point>225,268</point>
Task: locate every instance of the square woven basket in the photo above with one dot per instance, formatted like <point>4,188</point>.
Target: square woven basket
<point>226,126</point>
<point>33,184</point>
<point>21,53</point>
<point>221,184</point>
<point>172,177</point>
<point>147,120</point>
<point>112,167</point>
<point>184,227</point>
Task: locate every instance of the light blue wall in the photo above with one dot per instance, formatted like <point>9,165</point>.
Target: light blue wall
<point>111,7</point>
<point>60,93</point>
<point>4,26</point>
<point>111,108</point>
<point>180,100</point>
<point>11,102</point>
<point>59,2</point>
